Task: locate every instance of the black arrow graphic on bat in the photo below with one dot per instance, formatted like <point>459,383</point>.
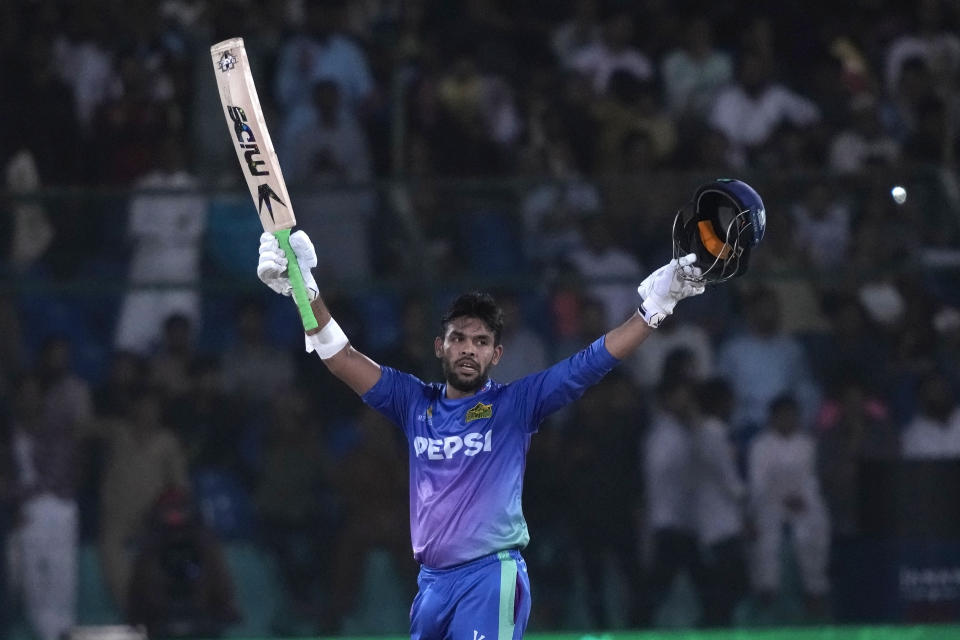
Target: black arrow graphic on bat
<point>264,195</point>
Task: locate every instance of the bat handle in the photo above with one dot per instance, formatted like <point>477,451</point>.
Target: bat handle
<point>300,295</point>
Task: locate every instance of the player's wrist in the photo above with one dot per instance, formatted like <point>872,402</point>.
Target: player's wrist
<point>653,313</point>
<point>327,342</point>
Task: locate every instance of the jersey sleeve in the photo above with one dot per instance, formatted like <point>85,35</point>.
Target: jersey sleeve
<point>540,394</point>
<point>393,394</point>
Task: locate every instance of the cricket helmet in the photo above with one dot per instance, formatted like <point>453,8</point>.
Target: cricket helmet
<point>721,224</point>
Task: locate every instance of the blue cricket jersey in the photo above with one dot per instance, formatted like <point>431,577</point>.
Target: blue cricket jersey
<point>467,456</point>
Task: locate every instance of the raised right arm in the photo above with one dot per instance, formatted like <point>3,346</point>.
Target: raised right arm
<point>356,370</point>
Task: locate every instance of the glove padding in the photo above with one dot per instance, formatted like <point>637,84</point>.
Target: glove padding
<point>664,288</point>
<point>272,267</point>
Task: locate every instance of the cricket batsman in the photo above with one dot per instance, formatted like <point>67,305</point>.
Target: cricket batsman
<point>468,436</point>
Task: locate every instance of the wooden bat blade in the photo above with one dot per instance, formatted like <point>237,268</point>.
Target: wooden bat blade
<point>251,139</point>
<point>258,159</point>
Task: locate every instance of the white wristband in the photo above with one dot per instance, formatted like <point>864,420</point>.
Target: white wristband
<point>328,341</point>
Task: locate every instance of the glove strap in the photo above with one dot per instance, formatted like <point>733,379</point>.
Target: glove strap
<point>652,317</point>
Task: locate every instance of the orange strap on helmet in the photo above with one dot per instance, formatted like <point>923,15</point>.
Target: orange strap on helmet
<point>712,242</point>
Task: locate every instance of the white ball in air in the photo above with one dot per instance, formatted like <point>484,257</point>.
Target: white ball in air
<point>899,194</point>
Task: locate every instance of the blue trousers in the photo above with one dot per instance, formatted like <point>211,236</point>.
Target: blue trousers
<point>484,599</point>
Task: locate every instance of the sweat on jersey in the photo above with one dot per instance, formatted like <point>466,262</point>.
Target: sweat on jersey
<point>467,455</point>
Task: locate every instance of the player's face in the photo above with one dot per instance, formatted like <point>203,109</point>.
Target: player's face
<point>467,351</point>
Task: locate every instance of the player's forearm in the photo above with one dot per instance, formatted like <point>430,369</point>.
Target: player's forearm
<point>356,370</point>
<point>622,340</point>
<point>321,313</point>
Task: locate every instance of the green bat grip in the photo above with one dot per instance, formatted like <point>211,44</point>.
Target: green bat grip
<point>300,295</point>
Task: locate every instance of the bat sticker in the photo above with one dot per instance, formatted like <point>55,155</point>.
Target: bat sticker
<point>227,62</point>
<point>264,195</point>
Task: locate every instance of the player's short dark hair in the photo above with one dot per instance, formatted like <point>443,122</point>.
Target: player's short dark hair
<point>475,304</point>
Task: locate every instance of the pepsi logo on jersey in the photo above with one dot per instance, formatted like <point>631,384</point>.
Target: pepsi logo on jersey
<point>445,448</point>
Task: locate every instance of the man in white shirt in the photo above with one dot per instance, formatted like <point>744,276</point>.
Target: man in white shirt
<point>785,490</point>
<point>166,230</point>
<point>935,431</point>
<point>613,52</point>
<point>670,487</point>
<point>607,270</point>
<point>750,110</point>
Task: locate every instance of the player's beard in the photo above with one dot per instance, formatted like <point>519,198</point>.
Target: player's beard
<point>460,383</point>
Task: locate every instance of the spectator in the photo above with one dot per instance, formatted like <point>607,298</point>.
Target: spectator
<point>86,62</point>
<point>218,431</point>
<point>934,433</point>
<point>853,425</point>
<point>297,507</point>
<point>370,481</point>
<point>784,490</point>
<point>762,363</point>
<point>525,348</point>
<point>253,369</point>
<point>915,86</point>
<point>798,297</point>
<point>558,200</point>
<point>864,144</point>
<point>670,489</point>
<point>143,458</point>
<point>49,410</point>
<point>852,344</point>
<point>44,94</point>
<point>329,152</point>
<point>632,106</point>
<point>614,51</point>
<point>647,368</point>
<point>33,232</point>
<point>411,350</point>
<point>694,72</point>
<point>605,433</point>
<point>581,30</point>
<point>750,110</point>
<point>720,507</point>
<point>126,374</point>
<point>607,270</point>
<point>180,585</point>
<point>933,40</point>
<point>320,50</point>
<point>478,121</point>
<point>322,140</point>
<point>166,232</point>
<point>933,140</point>
<point>822,221</point>
<point>170,365</point>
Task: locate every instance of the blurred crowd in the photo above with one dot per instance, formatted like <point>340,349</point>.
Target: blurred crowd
<point>153,402</point>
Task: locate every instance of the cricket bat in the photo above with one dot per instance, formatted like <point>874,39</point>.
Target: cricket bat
<point>258,160</point>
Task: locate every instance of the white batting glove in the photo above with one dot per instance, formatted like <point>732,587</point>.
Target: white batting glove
<point>664,288</point>
<point>272,267</point>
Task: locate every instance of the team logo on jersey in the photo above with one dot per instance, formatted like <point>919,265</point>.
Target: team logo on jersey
<point>480,411</point>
